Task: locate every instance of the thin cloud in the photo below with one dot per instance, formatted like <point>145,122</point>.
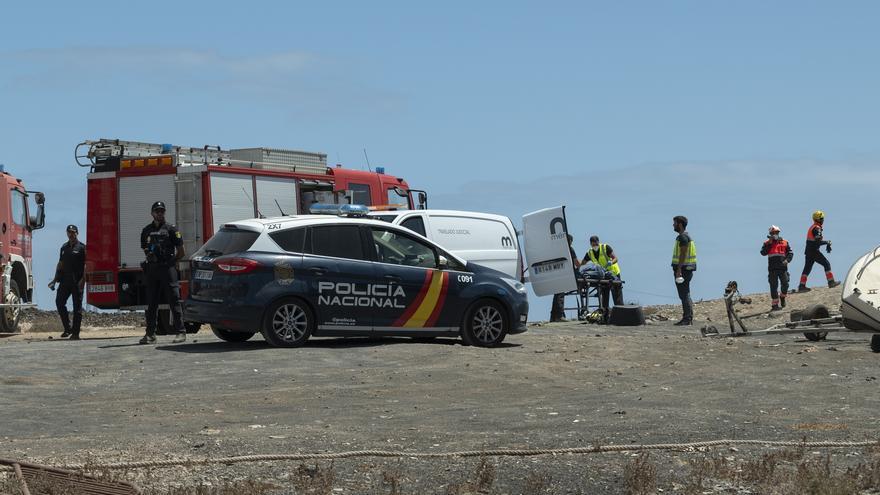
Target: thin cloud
<point>299,81</point>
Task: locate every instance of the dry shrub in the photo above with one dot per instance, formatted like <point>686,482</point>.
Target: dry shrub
<point>317,480</point>
<point>536,483</point>
<point>640,475</point>
<point>246,487</point>
<point>391,479</point>
<point>480,481</point>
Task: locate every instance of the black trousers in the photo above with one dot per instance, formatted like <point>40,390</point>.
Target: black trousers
<point>684,293</point>
<point>778,278</point>
<point>557,310</point>
<point>65,291</point>
<point>162,284</point>
<point>815,257</point>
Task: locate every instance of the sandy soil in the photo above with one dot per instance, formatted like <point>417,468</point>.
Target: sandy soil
<point>559,385</point>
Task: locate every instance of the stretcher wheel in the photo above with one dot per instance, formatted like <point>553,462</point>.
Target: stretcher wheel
<point>627,315</point>
<point>875,343</point>
<point>815,312</point>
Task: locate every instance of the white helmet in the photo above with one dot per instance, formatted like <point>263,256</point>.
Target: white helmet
<point>774,230</point>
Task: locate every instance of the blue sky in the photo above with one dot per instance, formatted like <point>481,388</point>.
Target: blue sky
<point>736,114</point>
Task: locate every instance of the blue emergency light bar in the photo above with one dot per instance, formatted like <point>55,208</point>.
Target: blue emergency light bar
<point>341,210</point>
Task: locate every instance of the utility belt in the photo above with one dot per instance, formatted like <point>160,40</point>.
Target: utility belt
<point>153,264</point>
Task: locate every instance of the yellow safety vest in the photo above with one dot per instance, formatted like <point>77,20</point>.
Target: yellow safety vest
<point>603,259</point>
<point>690,261</point>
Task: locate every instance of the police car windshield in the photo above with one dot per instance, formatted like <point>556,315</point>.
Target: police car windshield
<point>228,241</point>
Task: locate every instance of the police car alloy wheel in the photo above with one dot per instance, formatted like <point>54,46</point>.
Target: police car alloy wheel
<point>288,323</point>
<point>230,336</point>
<point>485,325</point>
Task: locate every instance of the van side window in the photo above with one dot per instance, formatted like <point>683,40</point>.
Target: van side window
<point>338,241</point>
<point>19,213</point>
<point>290,240</point>
<point>360,194</point>
<point>415,224</point>
<point>399,249</point>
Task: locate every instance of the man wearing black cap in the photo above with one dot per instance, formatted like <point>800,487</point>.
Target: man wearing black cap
<point>70,274</point>
<point>163,247</point>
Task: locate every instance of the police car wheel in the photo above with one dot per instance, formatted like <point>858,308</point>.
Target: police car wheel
<point>287,323</point>
<point>230,336</point>
<point>485,324</point>
<point>10,316</point>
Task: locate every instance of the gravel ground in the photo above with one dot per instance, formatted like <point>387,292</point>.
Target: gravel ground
<point>559,385</point>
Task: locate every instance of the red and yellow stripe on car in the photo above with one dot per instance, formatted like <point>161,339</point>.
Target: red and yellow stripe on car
<point>424,311</point>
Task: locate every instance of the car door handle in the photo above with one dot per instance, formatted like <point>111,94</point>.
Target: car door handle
<point>393,278</point>
<point>318,270</point>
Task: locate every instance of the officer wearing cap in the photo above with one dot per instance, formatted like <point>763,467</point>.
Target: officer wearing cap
<point>70,275</point>
<point>163,247</point>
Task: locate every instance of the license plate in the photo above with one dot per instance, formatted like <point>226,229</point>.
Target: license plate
<point>204,274</point>
<point>549,267</point>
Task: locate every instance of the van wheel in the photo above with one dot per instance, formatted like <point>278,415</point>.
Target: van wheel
<point>11,316</point>
<point>288,323</point>
<point>485,325</point>
<point>815,312</point>
<point>230,336</point>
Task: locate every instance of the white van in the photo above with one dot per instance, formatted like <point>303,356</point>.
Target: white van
<point>483,238</point>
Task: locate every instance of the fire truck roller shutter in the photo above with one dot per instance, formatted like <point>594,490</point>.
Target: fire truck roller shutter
<point>232,198</point>
<point>280,189</point>
<point>136,195</point>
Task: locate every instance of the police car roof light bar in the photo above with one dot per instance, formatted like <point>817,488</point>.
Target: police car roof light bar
<point>341,210</point>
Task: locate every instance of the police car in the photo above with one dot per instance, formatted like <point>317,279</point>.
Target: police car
<point>292,277</point>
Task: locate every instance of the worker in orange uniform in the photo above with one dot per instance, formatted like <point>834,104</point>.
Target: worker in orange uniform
<point>813,255</point>
<point>779,255</point>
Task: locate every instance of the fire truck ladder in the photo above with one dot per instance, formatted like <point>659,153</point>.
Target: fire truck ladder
<point>101,150</point>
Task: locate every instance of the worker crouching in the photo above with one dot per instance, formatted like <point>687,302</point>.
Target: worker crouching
<point>779,255</point>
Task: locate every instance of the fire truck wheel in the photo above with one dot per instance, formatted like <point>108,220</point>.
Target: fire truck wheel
<point>191,326</point>
<point>485,324</point>
<point>815,312</point>
<point>230,336</point>
<point>875,343</point>
<point>10,316</point>
<point>288,323</point>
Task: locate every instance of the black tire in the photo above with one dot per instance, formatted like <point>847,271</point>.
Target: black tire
<point>815,312</point>
<point>191,326</point>
<point>875,343</point>
<point>627,316</point>
<point>485,324</point>
<point>230,336</point>
<point>288,323</point>
<point>10,317</point>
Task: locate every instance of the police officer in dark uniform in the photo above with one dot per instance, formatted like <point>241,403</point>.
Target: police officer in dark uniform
<point>163,247</point>
<point>70,275</point>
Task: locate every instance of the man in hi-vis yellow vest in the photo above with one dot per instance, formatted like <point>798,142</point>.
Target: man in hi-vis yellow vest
<point>603,255</point>
<point>684,264</point>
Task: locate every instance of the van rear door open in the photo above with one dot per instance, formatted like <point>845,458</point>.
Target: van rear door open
<point>545,236</point>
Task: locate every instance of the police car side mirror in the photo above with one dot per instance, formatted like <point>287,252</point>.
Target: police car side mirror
<point>442,262</point>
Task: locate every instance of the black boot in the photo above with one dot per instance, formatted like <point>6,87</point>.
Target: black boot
<point>149,338</point>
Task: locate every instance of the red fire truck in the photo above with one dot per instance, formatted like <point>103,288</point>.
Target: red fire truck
<point>16,230</point>
<point>203,188</point>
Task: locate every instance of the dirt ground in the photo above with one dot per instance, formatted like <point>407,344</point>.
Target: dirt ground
<point>107,399</point>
